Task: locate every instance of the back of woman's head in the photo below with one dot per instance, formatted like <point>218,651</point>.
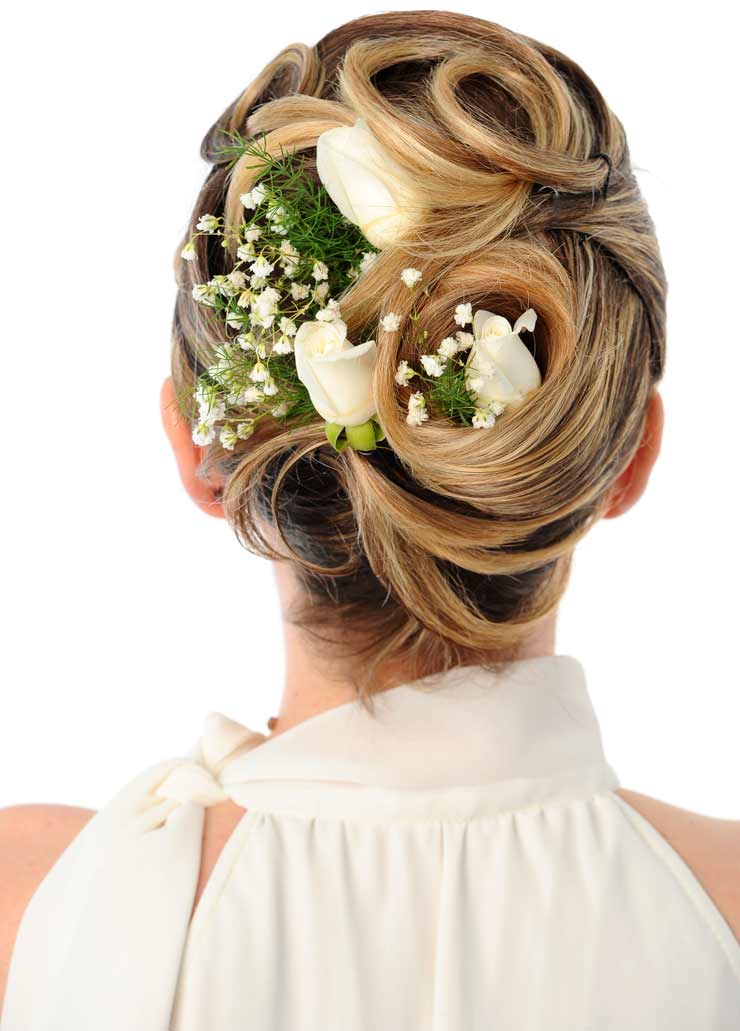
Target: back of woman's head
<point>446,544</point>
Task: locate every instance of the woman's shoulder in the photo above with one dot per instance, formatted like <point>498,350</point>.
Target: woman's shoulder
<point>32,838</point>
<point>708,845</point>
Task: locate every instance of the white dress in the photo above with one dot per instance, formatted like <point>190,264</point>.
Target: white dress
<point>457,862</point>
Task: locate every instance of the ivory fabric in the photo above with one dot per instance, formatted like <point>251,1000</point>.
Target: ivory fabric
<point>457,861</point>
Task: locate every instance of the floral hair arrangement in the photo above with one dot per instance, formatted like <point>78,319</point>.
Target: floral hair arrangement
<point>285,352</point>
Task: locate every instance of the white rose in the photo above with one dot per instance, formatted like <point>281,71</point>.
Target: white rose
<point>506,370</point>
<point>338,375</point>
<point>367,185</point>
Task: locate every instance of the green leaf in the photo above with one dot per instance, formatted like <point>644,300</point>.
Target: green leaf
<point>333,430</point>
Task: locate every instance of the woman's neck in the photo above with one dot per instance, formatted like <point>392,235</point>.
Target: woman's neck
<point>312,686</point>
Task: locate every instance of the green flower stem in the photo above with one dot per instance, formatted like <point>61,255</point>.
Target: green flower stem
<point>364,437</point>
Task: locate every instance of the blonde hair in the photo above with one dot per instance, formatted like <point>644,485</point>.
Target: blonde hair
<point>448,545</point>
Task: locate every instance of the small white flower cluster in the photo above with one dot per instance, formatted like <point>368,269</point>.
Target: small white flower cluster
<point>271,290</point>
<point>368,260</point>
<point>435,364</point>
<point>417,409</point>
<point>411,276</point>
<point>452,386</point>
<point>210,410</point>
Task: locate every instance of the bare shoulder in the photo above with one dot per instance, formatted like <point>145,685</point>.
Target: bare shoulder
<point>219,824</point>
<point>32,837</point>
<point>710,847</point>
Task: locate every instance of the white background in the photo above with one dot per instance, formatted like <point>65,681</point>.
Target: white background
<point>128,613</point>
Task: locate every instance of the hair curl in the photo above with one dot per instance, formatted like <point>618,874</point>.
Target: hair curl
<point>448,545</point>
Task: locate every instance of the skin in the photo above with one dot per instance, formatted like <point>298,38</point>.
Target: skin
<point>32,837</point>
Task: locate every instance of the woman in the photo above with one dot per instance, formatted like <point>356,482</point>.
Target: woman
<point>420,324</point>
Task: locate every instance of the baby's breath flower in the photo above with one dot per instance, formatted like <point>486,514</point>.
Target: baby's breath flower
<point>475,384</point>
<point>245,340</point>
<point>208,224</point>
<point>250,396</point>
<point>299,291</point>
<point>404,373</point>
<point>254,196</point>
<point>245,251</point>
<point>258,373</point>
<point>287,326</point>
<point>276,214</point>
<point>203,433</point>
<point>214,413</point>
<point>433,364</point>
<point>204,395</point>
<point>217,372</point>
<point>497,407</point>
<point>245,429</point>
<point>411,276</point>
<point>279,411</point>
<point>330,312</point>
<point>368,260</point>
<point>464,340</point>
<point>484,418</point>
<point>261,266</point>
<point>250,235</point>
<point>282,345</point>
<point>320,271</point>
<point>188,251</point>
<point>290,269</point>
<point>270,387</point>
<point>264,307</point>
<point>224,359</point>
<point>417,410</point>
<point>211,406</point>
<point>320,291</point>
<point>228,437</point>
<point>205,293</point>
<point>272,294</point>
<point>448,348</point>
<point>260,350</point>
<point>244,299</point>
<point>235,281</point>
<point>287,249</point>
<point>390,322</point>
<point>463,314</point>
<point>235,320</point>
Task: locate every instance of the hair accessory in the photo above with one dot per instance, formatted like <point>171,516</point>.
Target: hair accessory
<point>286,354</point>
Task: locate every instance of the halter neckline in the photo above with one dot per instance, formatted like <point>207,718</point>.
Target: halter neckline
<point>522,733</point>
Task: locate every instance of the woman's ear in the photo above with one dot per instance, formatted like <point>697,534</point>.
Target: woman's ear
<point>629,486</point>
<point>187,453</point>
